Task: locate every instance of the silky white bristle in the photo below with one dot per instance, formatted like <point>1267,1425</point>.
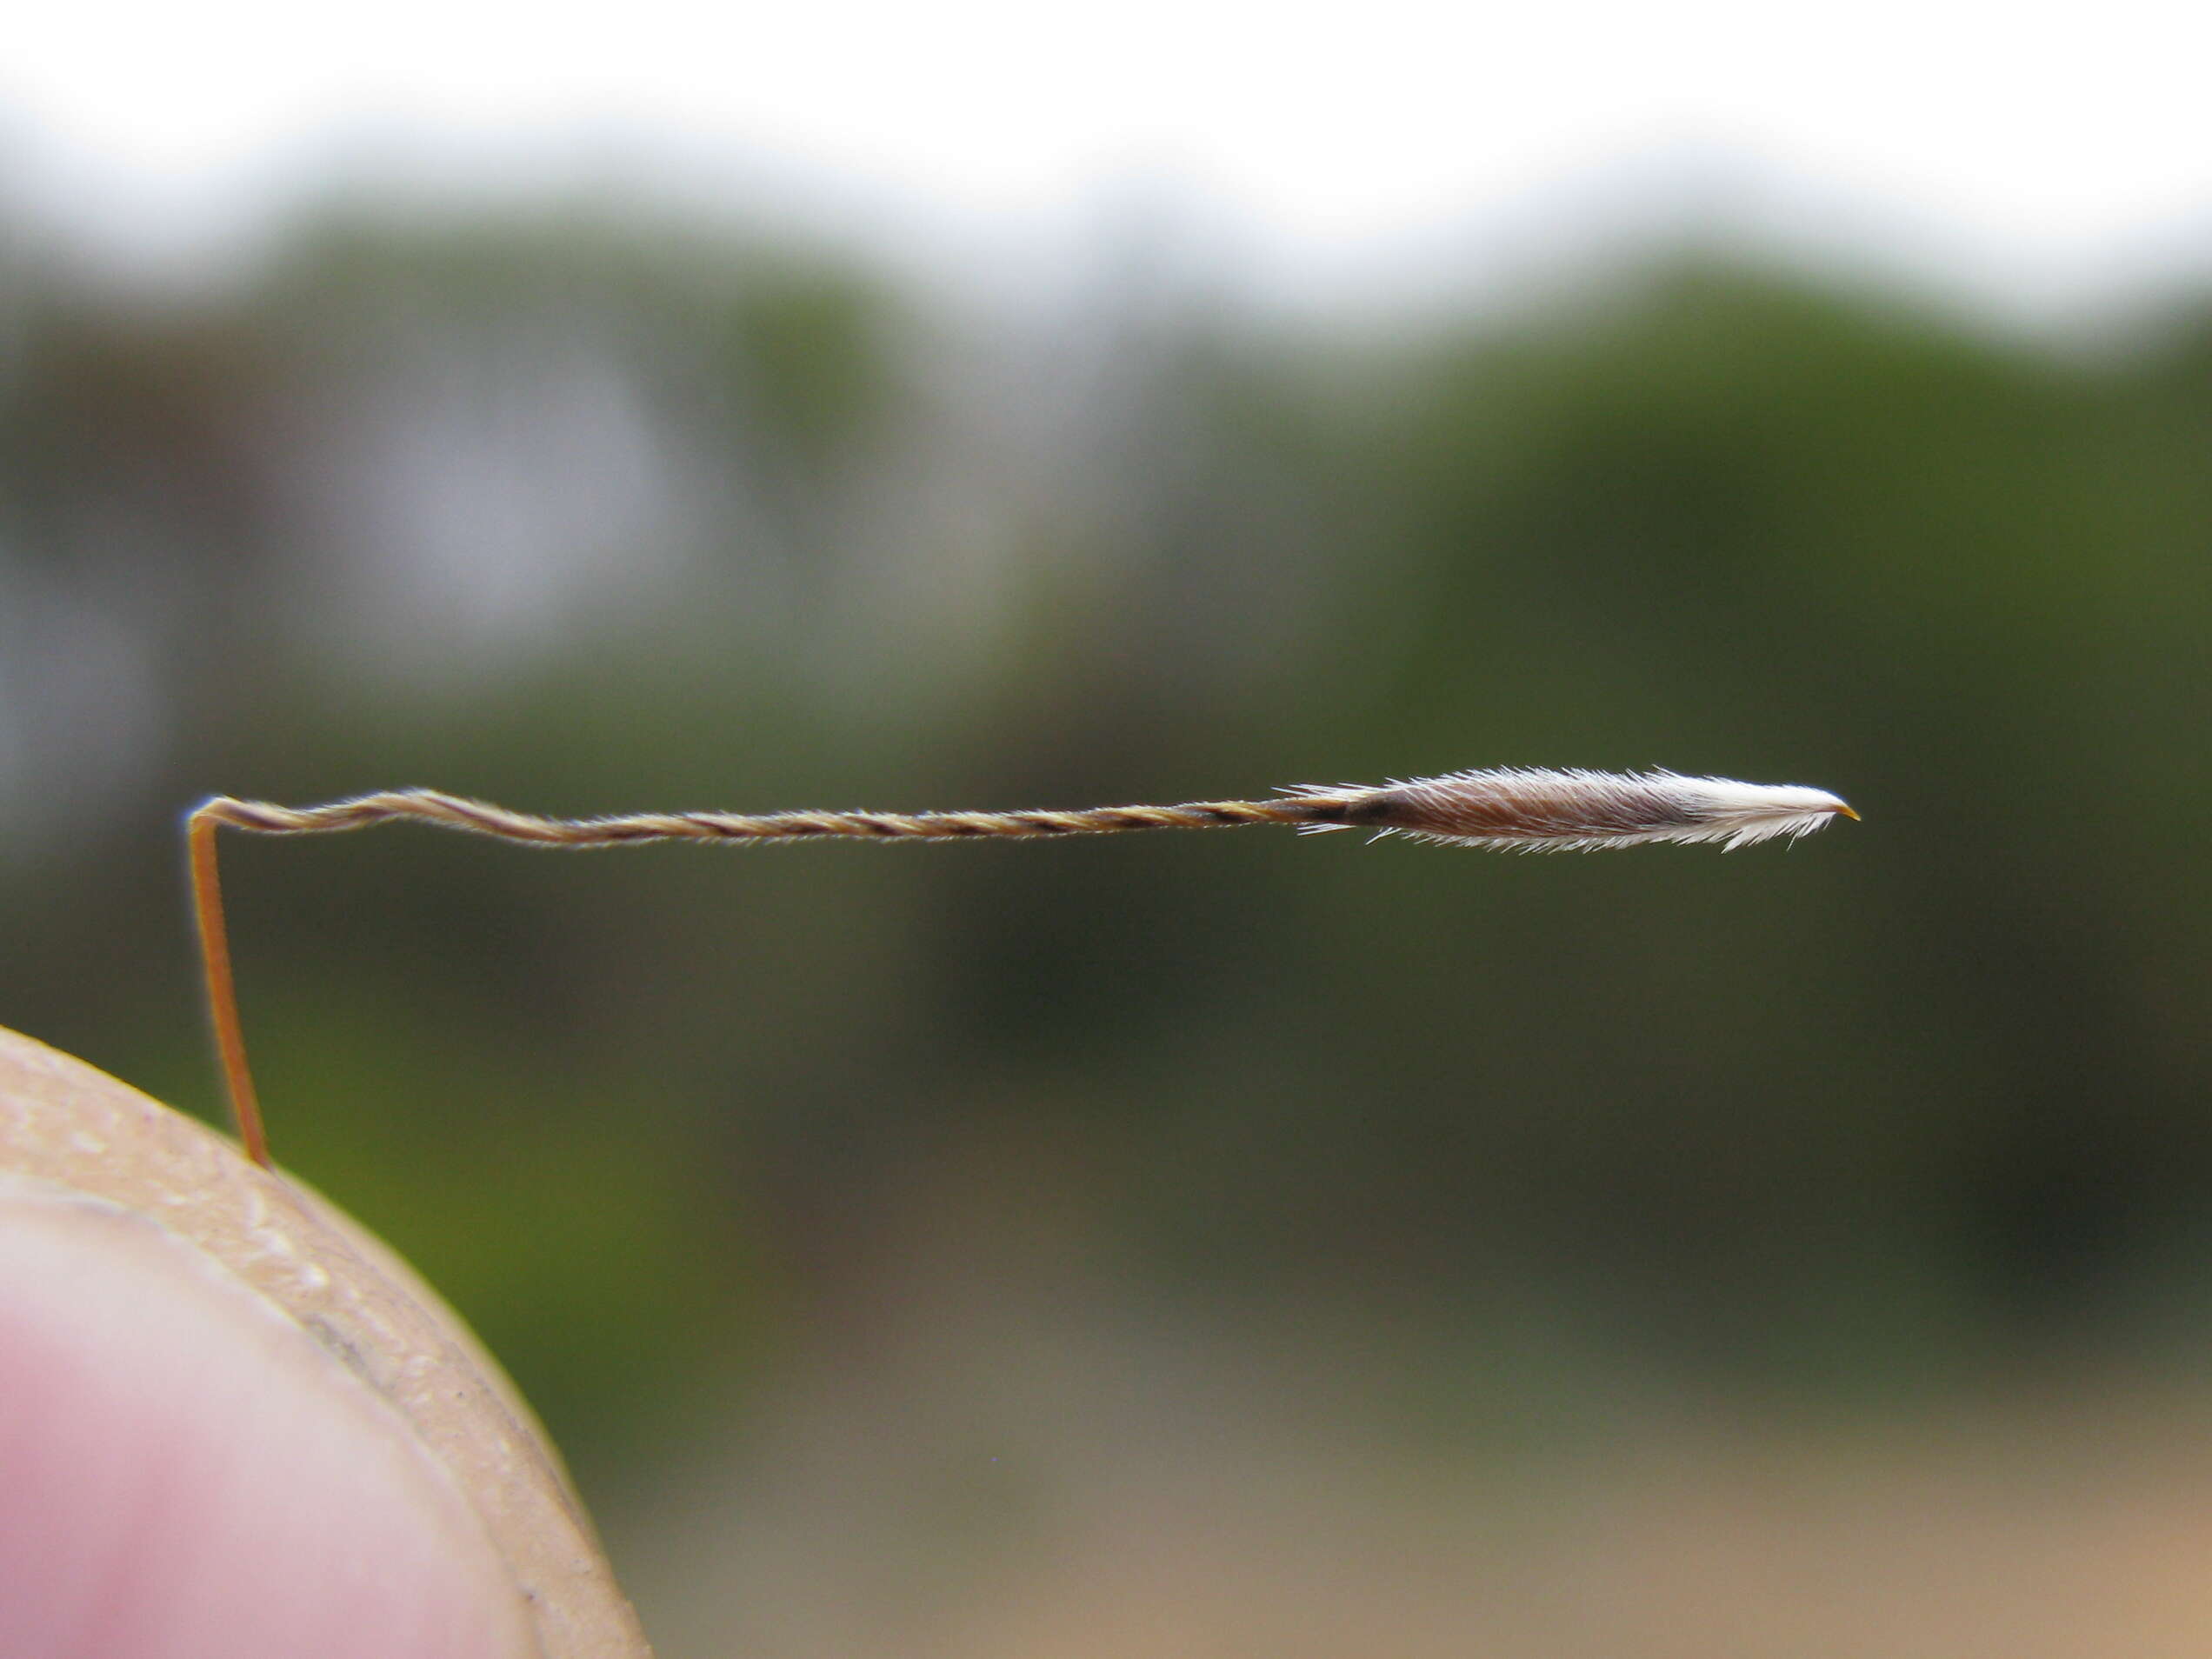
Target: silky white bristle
<point>1533,810</point>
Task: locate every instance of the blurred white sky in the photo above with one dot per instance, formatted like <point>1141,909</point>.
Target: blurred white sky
<point>2037,152</point>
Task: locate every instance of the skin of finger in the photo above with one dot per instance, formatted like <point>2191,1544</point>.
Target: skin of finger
<point>82,1132</point>
<point>184,1473</point>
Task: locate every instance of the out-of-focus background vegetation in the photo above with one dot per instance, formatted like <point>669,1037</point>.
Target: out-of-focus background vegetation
<point>1225,1244</point>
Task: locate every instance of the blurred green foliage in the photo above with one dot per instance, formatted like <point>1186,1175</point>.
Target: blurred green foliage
<point>587,513</point>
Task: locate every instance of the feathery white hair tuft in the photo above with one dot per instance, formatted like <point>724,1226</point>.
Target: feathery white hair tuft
<point>1527,809</point>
